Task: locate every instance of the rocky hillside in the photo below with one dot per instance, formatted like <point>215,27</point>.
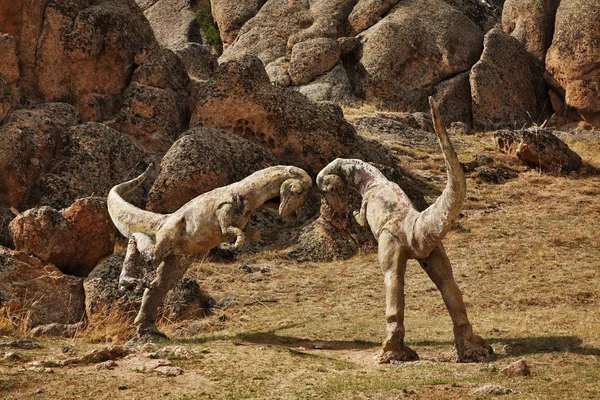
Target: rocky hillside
<point>92,91</point>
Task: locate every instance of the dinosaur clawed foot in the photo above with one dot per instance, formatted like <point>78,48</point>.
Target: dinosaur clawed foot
<point>147,334</point>
<point>473,349</point>
<point>399,353</point>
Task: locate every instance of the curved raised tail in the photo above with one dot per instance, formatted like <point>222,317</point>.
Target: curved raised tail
<point>127,217</point>
<point>433,223</point>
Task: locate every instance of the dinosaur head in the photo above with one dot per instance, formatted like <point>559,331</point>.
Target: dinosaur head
<point>293,194</point>
<point>333,189</point>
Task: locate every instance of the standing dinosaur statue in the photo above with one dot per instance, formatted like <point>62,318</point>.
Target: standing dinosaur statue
<point>404,233</point>
<point>169,241</point>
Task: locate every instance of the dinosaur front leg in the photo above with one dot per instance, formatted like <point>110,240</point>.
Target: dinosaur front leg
<point>129,278</point>
<point>169,272</point>
<point>225,218</point>
<point>469,347</point>
<point>393,265</point>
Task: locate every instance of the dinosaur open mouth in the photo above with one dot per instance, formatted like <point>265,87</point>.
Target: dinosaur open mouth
<point>272,203</point>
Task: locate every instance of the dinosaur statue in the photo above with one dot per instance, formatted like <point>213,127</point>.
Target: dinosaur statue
<point>404,233</point>
<point>169,241</point>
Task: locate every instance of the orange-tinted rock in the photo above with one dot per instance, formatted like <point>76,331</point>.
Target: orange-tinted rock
<point>28,146</point>
<point>312,58</point>
<point>78,52</point>
<point>231,15</point>
<point>73,239</point>
<point>38,292</point>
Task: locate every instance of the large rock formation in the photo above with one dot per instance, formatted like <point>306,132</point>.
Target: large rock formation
<point>532,23</point>
<point>9,74</point>
<point>74,239</point>
<point>202,160</point>
<point>76,51</point>
<point>36,293</point>
<point>312,58</point>
<point>293,128</point>
<point>30,139</point>
<point>573,60</point>
<point>507,87</point>
<point>91,159</point>
<point>415,46</point>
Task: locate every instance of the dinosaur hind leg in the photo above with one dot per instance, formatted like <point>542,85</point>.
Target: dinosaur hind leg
<point>469,347</point>
<point>169,272</point>
<point>393,265</point>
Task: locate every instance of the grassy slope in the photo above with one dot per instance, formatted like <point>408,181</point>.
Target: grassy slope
<point>526,258</point>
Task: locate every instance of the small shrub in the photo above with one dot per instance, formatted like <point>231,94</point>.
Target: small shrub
<point>209,28</point>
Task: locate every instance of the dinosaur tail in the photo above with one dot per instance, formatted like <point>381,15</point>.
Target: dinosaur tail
<point>433,224</point>
<point>127,217</point>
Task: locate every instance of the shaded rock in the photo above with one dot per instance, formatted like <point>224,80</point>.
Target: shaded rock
<point>454,100</point>
<point>173,22</point>
<point>160,68</point>
<point>506,85</point>
<point>152,117</point>
<point>293,128</point>
<point>418,44</point>
<point>186,300</point>
<point>73,239</point>
<point>278,72</point>
<point>331,237</point>
<point>348,44</point>
<point>332,86</point>
<point>532,23</point>
<point>312,58</point>
<point>459,128</point>
<point>367,12</point>
<point>231,15</point>
<point>9,75</point>
<point>573,59</point>
<point>5,99</point>
<point>198,60</point>
<point>93,159</point>
<point>84,52</point>
<point>29,142</point>
<point>202,160</point>
<point>5,217</point>
<point>56,329</point>
<point>494,174</point>
<point>492,390</point>
<point>398,129</point>
<point>38,293</point>
<point>538,148</point>
<point>518,368</point>
<point>484,13</point>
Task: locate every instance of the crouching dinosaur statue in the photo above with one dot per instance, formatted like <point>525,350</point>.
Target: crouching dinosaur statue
<point>404,233</point>
<point>169,241</point>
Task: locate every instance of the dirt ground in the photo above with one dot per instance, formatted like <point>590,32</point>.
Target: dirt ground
<point>526,255</point>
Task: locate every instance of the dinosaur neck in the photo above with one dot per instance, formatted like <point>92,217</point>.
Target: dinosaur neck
<point>263,185</point>
<point>361,176</point>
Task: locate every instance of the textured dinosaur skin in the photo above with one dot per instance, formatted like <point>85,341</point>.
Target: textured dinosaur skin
<point>170,241</point>
<point>404,233</point>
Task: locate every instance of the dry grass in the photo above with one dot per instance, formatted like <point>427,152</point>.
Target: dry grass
<point>526,257</point>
